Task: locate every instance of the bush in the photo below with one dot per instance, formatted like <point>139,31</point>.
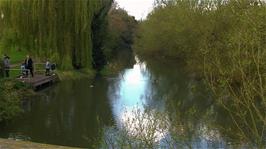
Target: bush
<point>11,93</point>
<point>224,41</point>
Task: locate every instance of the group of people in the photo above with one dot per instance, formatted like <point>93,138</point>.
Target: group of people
<point>26,67</point>
<point>5,66</point>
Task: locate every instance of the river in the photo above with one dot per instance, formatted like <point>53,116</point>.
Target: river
<point>159,96</point>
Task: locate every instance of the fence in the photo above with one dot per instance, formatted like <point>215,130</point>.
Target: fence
<point>18,72</point>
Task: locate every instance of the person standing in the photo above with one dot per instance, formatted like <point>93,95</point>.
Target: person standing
<point>29,65</point>
<point>6,65</point>
<point>47,67</point>
<point>23,70</point>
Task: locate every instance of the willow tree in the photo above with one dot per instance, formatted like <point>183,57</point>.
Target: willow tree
<point>57,29</point>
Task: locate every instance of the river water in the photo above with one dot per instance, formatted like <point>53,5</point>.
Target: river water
<point>158,96</point>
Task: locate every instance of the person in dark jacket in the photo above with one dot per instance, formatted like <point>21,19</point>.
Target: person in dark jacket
<point>29,65</point>
<point>6,65</point>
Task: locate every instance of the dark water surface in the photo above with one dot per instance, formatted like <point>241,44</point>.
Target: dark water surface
<point>69,113</point>
<point>74,113</point>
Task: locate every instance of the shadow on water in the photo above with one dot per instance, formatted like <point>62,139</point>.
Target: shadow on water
<point>70,113</point>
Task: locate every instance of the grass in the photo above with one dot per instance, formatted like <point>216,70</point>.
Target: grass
<point>14,73</point>
<point>16,56</point>
<point>11,94</point>
<point>75,74</point>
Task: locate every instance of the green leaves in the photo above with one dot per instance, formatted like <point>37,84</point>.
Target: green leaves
<point>222,41</point>
<point>58,30</point>
<point>120,33</point>
<point>11,93</point>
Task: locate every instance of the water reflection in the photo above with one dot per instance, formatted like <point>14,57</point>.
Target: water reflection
<point>139,93</point>
<point>70,113</point>
<point>155,101</point>
<point>190,116</point>
<point>129,96</point>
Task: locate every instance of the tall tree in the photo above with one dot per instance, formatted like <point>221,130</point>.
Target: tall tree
<point>56,29</point>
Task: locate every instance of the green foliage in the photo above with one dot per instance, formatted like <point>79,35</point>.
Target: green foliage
<point>120,32</point>
<point>224,41</point>
<point>118,39</point>
<point>141,129</point>
<point>11,92</point>
<point>59,30</point>
<point>75,75</point>
<point>175,30</point>
<point>17,55</point>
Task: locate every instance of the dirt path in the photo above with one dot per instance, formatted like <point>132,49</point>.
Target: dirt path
<point>12,144</point>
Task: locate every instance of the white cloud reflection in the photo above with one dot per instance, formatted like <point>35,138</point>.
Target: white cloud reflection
<point>130,105</point>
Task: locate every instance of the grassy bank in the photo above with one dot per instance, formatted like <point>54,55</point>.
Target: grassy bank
<point>75,74</point>
<point>11,94</point>
<point>18,56</point>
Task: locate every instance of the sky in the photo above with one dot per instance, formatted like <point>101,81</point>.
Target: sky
<point>138,8</point>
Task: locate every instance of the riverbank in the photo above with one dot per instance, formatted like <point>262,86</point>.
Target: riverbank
<point>12,144</point>
<point>75,74</point>
<point>12,92</point>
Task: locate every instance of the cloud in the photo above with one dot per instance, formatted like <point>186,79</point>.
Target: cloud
<point>138,8</point>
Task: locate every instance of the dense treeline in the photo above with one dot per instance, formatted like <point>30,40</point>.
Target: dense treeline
<point>121,28</point>
<point>117,34</point>
<point>57,29</point>
<point>118,39</point>
<point>224,41</point>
